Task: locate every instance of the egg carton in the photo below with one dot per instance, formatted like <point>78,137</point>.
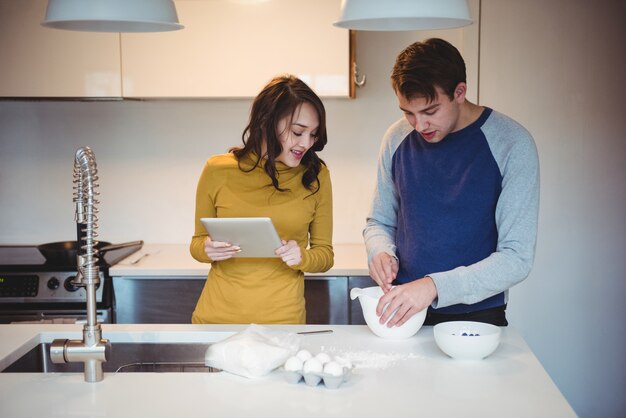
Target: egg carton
<point>314,379</point>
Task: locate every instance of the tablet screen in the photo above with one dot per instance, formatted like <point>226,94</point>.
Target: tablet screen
<point>256,237</point>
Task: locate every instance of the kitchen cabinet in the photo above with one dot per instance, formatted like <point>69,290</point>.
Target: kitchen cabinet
<point>326,300</point>
<point>171,300</point>
<point>227,49</point>
<point>42,62</point>
<point>233,48</point>
<point>354,306</point>
<point>155,300</point>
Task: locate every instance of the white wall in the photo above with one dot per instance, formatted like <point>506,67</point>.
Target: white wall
<point>150,154</point>
<point>556,66</point>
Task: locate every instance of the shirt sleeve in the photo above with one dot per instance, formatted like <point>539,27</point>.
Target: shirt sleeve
<point>380,229</point>
<point>516,219</point>
<point>205,208</point>
<point>319,257</point>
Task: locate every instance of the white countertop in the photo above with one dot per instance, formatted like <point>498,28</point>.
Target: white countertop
<point>420,381</point>
<point>174,260</point>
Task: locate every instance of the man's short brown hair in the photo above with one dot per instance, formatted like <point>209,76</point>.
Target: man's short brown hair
<point>425,65</point>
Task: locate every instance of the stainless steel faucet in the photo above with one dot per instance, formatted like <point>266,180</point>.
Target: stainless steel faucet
<point>92,349</point>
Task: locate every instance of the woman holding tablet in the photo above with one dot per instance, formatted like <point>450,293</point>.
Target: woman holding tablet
<point>276,174</point>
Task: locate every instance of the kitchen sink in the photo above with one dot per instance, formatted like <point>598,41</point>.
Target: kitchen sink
<point>123,358</point>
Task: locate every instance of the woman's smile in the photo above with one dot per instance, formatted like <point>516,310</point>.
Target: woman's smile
<point>297,134</point>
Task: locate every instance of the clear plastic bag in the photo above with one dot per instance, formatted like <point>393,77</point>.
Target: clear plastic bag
<point>253,352</point>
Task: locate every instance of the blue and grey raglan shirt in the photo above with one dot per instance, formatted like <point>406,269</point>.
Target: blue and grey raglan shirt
<point>462,211</point>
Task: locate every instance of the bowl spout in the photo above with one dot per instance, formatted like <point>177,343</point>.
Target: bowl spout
<point>355,292</point>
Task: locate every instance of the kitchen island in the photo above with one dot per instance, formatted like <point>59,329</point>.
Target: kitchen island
<point>404,378</point>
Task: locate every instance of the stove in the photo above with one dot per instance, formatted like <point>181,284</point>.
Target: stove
<point>33,290</point>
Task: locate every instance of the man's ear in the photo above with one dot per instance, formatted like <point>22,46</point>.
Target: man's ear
<point>459,92</point>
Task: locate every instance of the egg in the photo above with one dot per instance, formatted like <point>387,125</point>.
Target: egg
<point>293,364</point>
<point>304,355</point>
<point>333,368</point>
<point>323,358</point>
<point>312,365</point>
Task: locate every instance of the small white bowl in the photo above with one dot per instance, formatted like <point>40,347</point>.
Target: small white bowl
<point>369,300</point>
<point>466,340</point>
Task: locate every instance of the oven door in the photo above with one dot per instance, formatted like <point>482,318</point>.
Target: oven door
<point>51,316</point>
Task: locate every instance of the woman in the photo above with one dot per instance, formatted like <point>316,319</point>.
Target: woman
<point>276,174</point>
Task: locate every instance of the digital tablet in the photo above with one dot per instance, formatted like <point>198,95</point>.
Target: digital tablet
<point>256,237</point>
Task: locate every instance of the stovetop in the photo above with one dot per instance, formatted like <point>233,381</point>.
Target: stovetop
<point>27,258</point>
<point>26,279</point>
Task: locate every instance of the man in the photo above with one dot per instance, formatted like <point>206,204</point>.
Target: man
<point>453,222</point>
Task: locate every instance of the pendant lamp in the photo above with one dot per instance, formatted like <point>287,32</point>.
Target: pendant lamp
<point>112,15</point>
<point>399,15</point>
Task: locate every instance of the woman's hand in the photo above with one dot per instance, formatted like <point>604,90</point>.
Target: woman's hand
<point>218,250</point>
<point>408,299</point>
<point>383,268</point>
<point>290,252</point>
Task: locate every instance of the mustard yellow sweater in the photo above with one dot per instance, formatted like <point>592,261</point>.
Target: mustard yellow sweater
<point>261,290</point>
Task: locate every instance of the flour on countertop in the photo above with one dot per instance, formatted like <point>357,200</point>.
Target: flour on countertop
<point>366,359</point>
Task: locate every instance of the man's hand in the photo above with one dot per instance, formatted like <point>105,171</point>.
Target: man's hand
<point>408,299</point>
<point>383,269</point>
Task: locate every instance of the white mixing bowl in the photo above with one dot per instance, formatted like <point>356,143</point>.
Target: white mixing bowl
<point>467,340</point>
<point>368,298</point>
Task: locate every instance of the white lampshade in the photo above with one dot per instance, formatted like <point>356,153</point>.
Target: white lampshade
<point>398,15</point>
<point>112,15</point>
